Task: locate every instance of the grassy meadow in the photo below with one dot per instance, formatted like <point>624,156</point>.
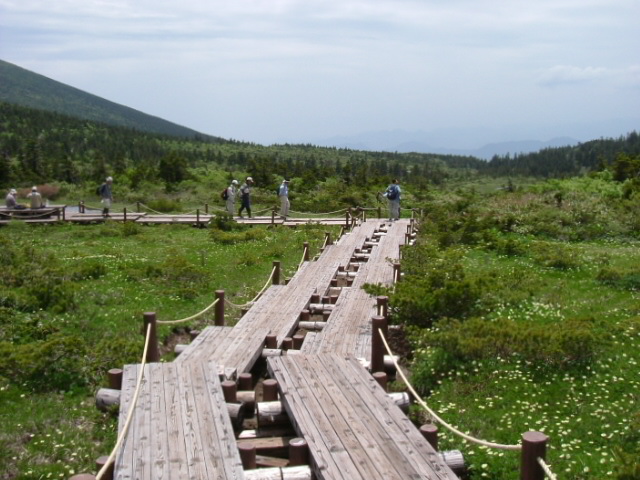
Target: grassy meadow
<point>71,308</point>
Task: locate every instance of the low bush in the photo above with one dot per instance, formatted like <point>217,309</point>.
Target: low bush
<point>165,205</point>
<point>573,342</point>
<point>231,238</point>
<point>619,278</point>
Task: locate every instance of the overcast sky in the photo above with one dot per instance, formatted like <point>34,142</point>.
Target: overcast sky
<point>299,70</point>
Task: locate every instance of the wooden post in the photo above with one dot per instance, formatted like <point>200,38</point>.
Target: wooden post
<point>276,274</point>
<point>287,343</point>
<point>245,381</point>
<point>534,446</point>
<point>206,208</point>
<point>327,238</point>
<point>271,341</point>
<point>298,340</point>
<point>378,324</point>
<point>298,452</point>
<point>379,212</point>
<point>430,433</point>
<point>248,455</point>
<point>138,207</point>
<point>346,219</point>
<point>273,216</point>
<point>115,378</point>
<point>407,238</point>
<point>397,272</point>
<point>197,217</point>
<point>124,212</point>
<point>101,462</point>
<point>305,245</point>
<point>219,309</point>
<point>153,353</point>
<point>230,391</point>
<point>305,315</point>
<point>383,306</point>
<point>270,390</point>
<point>382,379</point>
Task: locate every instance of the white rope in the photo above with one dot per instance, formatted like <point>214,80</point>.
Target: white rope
<point>182,320</point>
<point>435,416</point>
<point>547,470</point>
<point>251,302</point>
<point>304,254</point>
<point>132,406</point>
<point>319,214</point>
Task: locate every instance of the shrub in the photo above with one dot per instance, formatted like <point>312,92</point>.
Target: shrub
<point>130,228</point>
<point>574,342</point>
<point>619,278</point>
<point>224,222</point>
<point>57,363</point>
<point>165,205</point>
<point>91,269</point>
<point>231,238</point>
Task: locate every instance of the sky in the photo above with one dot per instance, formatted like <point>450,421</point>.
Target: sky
<point>273,71</point>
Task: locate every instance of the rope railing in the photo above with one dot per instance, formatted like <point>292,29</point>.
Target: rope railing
<point>435,416</point>
<point>304,255</point>
<point>546,469</point>
<point>132,406</point>
<point>18,216</point>
<point>192,317</point>
<point>318,214</point>
<point>251,302</point>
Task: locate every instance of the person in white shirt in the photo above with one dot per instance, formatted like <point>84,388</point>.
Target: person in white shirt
<point>283,194</point>
<point>35,198</point>
<point>232,190</point>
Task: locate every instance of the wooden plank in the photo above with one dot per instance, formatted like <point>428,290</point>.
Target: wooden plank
<point>124,462</point>
<point>175,427</point>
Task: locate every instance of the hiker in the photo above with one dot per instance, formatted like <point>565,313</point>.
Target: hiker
<point>35,198</point>
<point>245,197</point>
<point>230,199</point>
<point>393,197</point>
<point>283,194</point>
<point>11,202</point>
<point>106,196</point>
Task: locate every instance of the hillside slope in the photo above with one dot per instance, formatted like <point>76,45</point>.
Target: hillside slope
<point>23,87</point>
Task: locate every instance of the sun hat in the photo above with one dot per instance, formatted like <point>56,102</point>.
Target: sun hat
<point>235,182</point>
<point>249,179</point>
<point>13,191</point>
<point>109,179</point>
<point>34,189</point>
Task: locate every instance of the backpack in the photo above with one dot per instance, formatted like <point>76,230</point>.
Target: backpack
<point>392,193</point>
<point>224,195</point>
<point>99,190</point>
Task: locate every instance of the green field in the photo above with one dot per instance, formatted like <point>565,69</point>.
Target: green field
<point>71,308</point>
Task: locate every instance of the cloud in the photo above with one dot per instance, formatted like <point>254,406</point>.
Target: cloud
<point>571,75</point>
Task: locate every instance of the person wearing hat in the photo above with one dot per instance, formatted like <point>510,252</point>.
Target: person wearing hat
<point>245,196</point>
<point>283,194</point>
<point>10,200</point>
<point>106,196</point>
<point>393,197</point>
<point>35,199</point>
<point>232,190</point>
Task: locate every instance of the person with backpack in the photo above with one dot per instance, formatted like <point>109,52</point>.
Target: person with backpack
<point>393,197</point>
<point>283,195</point>
<point>245,197</point>
<point>229,196</point>
<point>106,196</point>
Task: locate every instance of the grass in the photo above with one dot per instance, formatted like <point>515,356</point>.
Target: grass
<point>590,408</point>
<point>115,273</point>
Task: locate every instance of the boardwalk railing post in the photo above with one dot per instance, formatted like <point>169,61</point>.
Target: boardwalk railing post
<point>346,219</point>
<point>138,207</point>
<point>153,353</point>
<point>219,309</point>
<point>306,251</point>
<point>383,306</point>
<point>206,208</point>
<point>430,433</point>
<point>397,272</point>
<point>379,212</point>
<point>276,273</point>
<point>124,212</point>
<point>273,216</point>
<point>197,217</point>
<point>378,324</point>
<point>298,452</point>
<point>534,446</point>
<point>100,462</point>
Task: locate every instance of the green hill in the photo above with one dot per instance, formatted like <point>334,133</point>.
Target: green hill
<point>26,88</point>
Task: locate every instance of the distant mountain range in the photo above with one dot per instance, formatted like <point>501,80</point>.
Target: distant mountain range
<point>402,141</point>
<point>29,89</point>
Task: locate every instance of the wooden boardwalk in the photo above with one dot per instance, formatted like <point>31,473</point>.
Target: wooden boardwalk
<point>180,428</point>
<point>354,430</point>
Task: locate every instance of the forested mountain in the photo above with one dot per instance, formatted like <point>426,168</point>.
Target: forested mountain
<point>37,146</point>
<point>564,161</point>
<point>23,87</point>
